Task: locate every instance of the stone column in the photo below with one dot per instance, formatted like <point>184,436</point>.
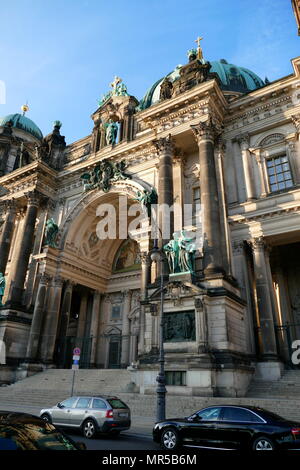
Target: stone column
<point>6,235</point>
<point>165,148</point>
<point>264,302</point>
<point>178,178</point>
<point>82,316</point>
<point>126,329</point>
<point>145,280</point>
<point>18,274</point>
<point>95,326</point>
<point>37,319</point>
<point>64,319</point>
<point>211,224</point>
<point>240,272</point>
<point>51,321</point>
<point>243,140</point>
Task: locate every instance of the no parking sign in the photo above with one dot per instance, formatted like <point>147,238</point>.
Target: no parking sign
<point>76,358</point>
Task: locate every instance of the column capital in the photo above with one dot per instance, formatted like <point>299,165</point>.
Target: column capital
<point>127,293</point>
<point>206,130</point>
<point>45,278</point>
<point>238,247</point>
<point>57,281</point>
<point>145,258</point>
<point>164,144</point>
<point>10,205</point>
<point>33,198</point>
<point>258,243</point>
<point>296,121</point>
<point>243,140</point>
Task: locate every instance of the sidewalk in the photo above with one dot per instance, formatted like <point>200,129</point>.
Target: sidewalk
<point>139,424</point>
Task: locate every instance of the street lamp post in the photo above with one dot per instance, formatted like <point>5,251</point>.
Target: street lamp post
<point>157,256</point>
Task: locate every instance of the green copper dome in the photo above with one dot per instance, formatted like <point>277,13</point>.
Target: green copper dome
<point>232,78</point>
<point>22,122</point>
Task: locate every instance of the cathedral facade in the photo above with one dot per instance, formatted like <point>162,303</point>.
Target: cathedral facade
<point>219,144</point>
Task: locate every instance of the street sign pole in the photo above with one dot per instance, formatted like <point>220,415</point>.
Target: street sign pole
<point>75,366</point>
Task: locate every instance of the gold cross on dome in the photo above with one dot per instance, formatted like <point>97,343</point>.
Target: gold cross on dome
<point>198,41</point>
<point>115,83</point>
<point>199,50</point>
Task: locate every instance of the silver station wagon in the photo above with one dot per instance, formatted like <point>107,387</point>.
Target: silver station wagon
<point>97,414</point>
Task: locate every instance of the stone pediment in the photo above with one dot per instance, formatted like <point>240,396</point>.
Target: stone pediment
<point>177,290</point>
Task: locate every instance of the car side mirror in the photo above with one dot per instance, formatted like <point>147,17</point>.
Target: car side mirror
<point>59,405</point>
<point>195,418</point>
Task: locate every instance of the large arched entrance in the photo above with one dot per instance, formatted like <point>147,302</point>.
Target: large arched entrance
<point>102,279</point>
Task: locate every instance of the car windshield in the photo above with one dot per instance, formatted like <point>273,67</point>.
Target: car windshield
<point>28,436</point>
<point>116,403</point>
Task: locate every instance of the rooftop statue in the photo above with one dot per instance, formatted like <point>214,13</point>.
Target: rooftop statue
<point>51,232</point>
<point>111,132</point>
<point>2,288</point>
<point>180,253</point>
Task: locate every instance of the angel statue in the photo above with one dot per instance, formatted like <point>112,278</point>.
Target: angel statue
<point>51,232</point>
<point>2,288</point>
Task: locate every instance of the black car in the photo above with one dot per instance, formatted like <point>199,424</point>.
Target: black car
<point>229,427</point>
<point>22,431</point>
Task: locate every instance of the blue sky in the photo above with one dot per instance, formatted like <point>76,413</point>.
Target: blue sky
<point>61,55</point>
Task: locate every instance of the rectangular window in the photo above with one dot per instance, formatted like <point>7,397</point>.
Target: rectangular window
<point>279,173</point>
<point>175,377</point>
<point>116,312</point>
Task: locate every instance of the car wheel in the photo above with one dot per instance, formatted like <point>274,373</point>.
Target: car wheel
<point>89,429</point>
<point>46,418</point>
<point>169,439</point>
<point>263,443</point>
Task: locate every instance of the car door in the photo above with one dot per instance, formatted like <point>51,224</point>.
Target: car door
<point>237,426</point>
<point>80,411</point>
<point>201,428</point>
<point>61,414</point>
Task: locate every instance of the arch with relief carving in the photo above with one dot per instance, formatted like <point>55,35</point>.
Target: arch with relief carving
<point>78,241</point>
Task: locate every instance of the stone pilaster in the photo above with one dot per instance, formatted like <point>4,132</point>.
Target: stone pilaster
<point>264,302</point>
<point>95,326</point>
<point>18,274</point>
<point>126,329</point>
<point>205,133</point>
<point>37,319</point>
<point>51,321</point>
<point>244,141</point>
<point>6,235</point>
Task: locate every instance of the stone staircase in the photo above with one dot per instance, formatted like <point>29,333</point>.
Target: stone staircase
<point>47,388</point>
<point>288,387</point>
<point>54,385</point>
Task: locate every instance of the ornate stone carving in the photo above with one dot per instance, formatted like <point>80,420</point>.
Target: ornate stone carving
<point>238,247</point>
<point>33,198</point>
<point>205,130</point>
<point>166,89</point>
<point>243,140</point>
<point>165,144</point>
<point>258,243</point>
<point>103,175</point>
<point>272,139</point>
<point>296,121</point>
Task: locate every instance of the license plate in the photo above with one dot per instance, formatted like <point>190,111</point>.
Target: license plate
<point>123,415</point>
